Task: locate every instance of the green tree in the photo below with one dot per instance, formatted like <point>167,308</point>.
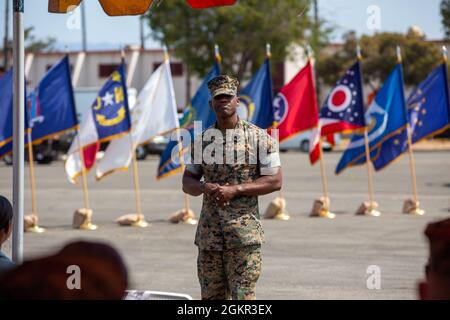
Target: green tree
<point>445,14</point>
<point>241,31</point>
<point>32,44</point>
<point>38,45</point>
<point>379,54</point>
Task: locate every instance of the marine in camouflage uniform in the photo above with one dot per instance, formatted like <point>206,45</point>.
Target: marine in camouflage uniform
<point>229,237</point>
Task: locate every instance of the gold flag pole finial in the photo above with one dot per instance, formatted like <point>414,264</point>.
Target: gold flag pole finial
<point>399,54</point>
<point>122,53</point>
<point>309,52</point>
<point>268,51</point>
<point>217,53</point>
<point>358,52</point>
<point>166,54</point>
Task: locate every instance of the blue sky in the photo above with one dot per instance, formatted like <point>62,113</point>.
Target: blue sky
<point>343,15</point>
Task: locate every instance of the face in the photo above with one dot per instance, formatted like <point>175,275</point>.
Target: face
<point>5,233</point>
<point>224,105</point>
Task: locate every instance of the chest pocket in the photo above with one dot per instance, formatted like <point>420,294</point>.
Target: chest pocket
<point>240,163</point>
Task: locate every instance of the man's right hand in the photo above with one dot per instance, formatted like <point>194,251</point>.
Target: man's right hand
<point>210,188</point>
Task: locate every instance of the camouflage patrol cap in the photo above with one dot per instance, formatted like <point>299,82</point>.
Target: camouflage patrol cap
<point>223,84</point>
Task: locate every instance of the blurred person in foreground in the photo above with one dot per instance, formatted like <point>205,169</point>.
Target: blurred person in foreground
<point>6,217</point>
<point>80,271</point>
<point>437,271</point>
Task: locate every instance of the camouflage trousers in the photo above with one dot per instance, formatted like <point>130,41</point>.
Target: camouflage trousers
<point>230,273</point>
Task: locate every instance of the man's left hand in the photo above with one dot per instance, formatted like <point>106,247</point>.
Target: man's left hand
<point>224,194</point>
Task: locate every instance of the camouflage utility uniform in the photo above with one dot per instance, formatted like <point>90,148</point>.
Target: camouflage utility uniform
<point>229,238</point>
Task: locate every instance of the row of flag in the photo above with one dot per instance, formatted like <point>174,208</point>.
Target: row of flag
<point>294,110</point>
<point>51,111</point>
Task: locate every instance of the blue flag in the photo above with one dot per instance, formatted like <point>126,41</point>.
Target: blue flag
<point>6,111</point>
<point>428,105</point>
<point>343,110</point>
<point>257,98</point>
<point>51,106</point>
<point>110,109</point>
<point>428,112</point>
<point>6,114</point>
<point>386,119</point>
<point>198,110</point>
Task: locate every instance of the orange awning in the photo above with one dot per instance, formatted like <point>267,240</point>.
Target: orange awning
<point>129,7</point>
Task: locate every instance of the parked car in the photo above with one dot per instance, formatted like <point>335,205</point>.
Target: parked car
<point>43,153</point>
<point>301,142</point>
<point>156,146</point>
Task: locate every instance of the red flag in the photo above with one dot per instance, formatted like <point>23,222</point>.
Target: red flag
<point>90,153</point>
<point>201,4</point>
<point>296,110</point>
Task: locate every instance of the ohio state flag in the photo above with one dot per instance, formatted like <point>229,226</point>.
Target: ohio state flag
<point>295,109</point>
<point>343,111</point>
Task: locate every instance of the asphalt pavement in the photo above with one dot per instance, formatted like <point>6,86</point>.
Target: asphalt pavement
<point>303,258</point>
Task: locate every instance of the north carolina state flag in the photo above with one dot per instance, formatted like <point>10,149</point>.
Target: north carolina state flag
<point>200,4</point>
<point>296,110</point>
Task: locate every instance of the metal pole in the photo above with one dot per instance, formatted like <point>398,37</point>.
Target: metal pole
<point>18,131</point>
<point>83,26</point>
<point>32,176</point>
<point>316,44</point>
<point>366,143</point>
<point>323,173</point>
<point>369,171</point>
<point>141,31</point>
<point>5,41</point>
<point>137,187</point>
<point>83,173</point>
<point>412,165</point>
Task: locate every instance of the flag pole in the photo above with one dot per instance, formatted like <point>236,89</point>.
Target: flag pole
<point>277,207</point>
<point>445,61</point>
<point>269,56</point>
<point>137,190</point>
<point>188,216</point>
<point>18,130</point>
<point>370,209</point>
<point>408,207</point>
<point>86,212</point>
<point>32,177</point>
<point>323,175</point>
<point>322,209</point>
<point>83,174</point>
<point>33,220</point>
<point>141,219</point>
